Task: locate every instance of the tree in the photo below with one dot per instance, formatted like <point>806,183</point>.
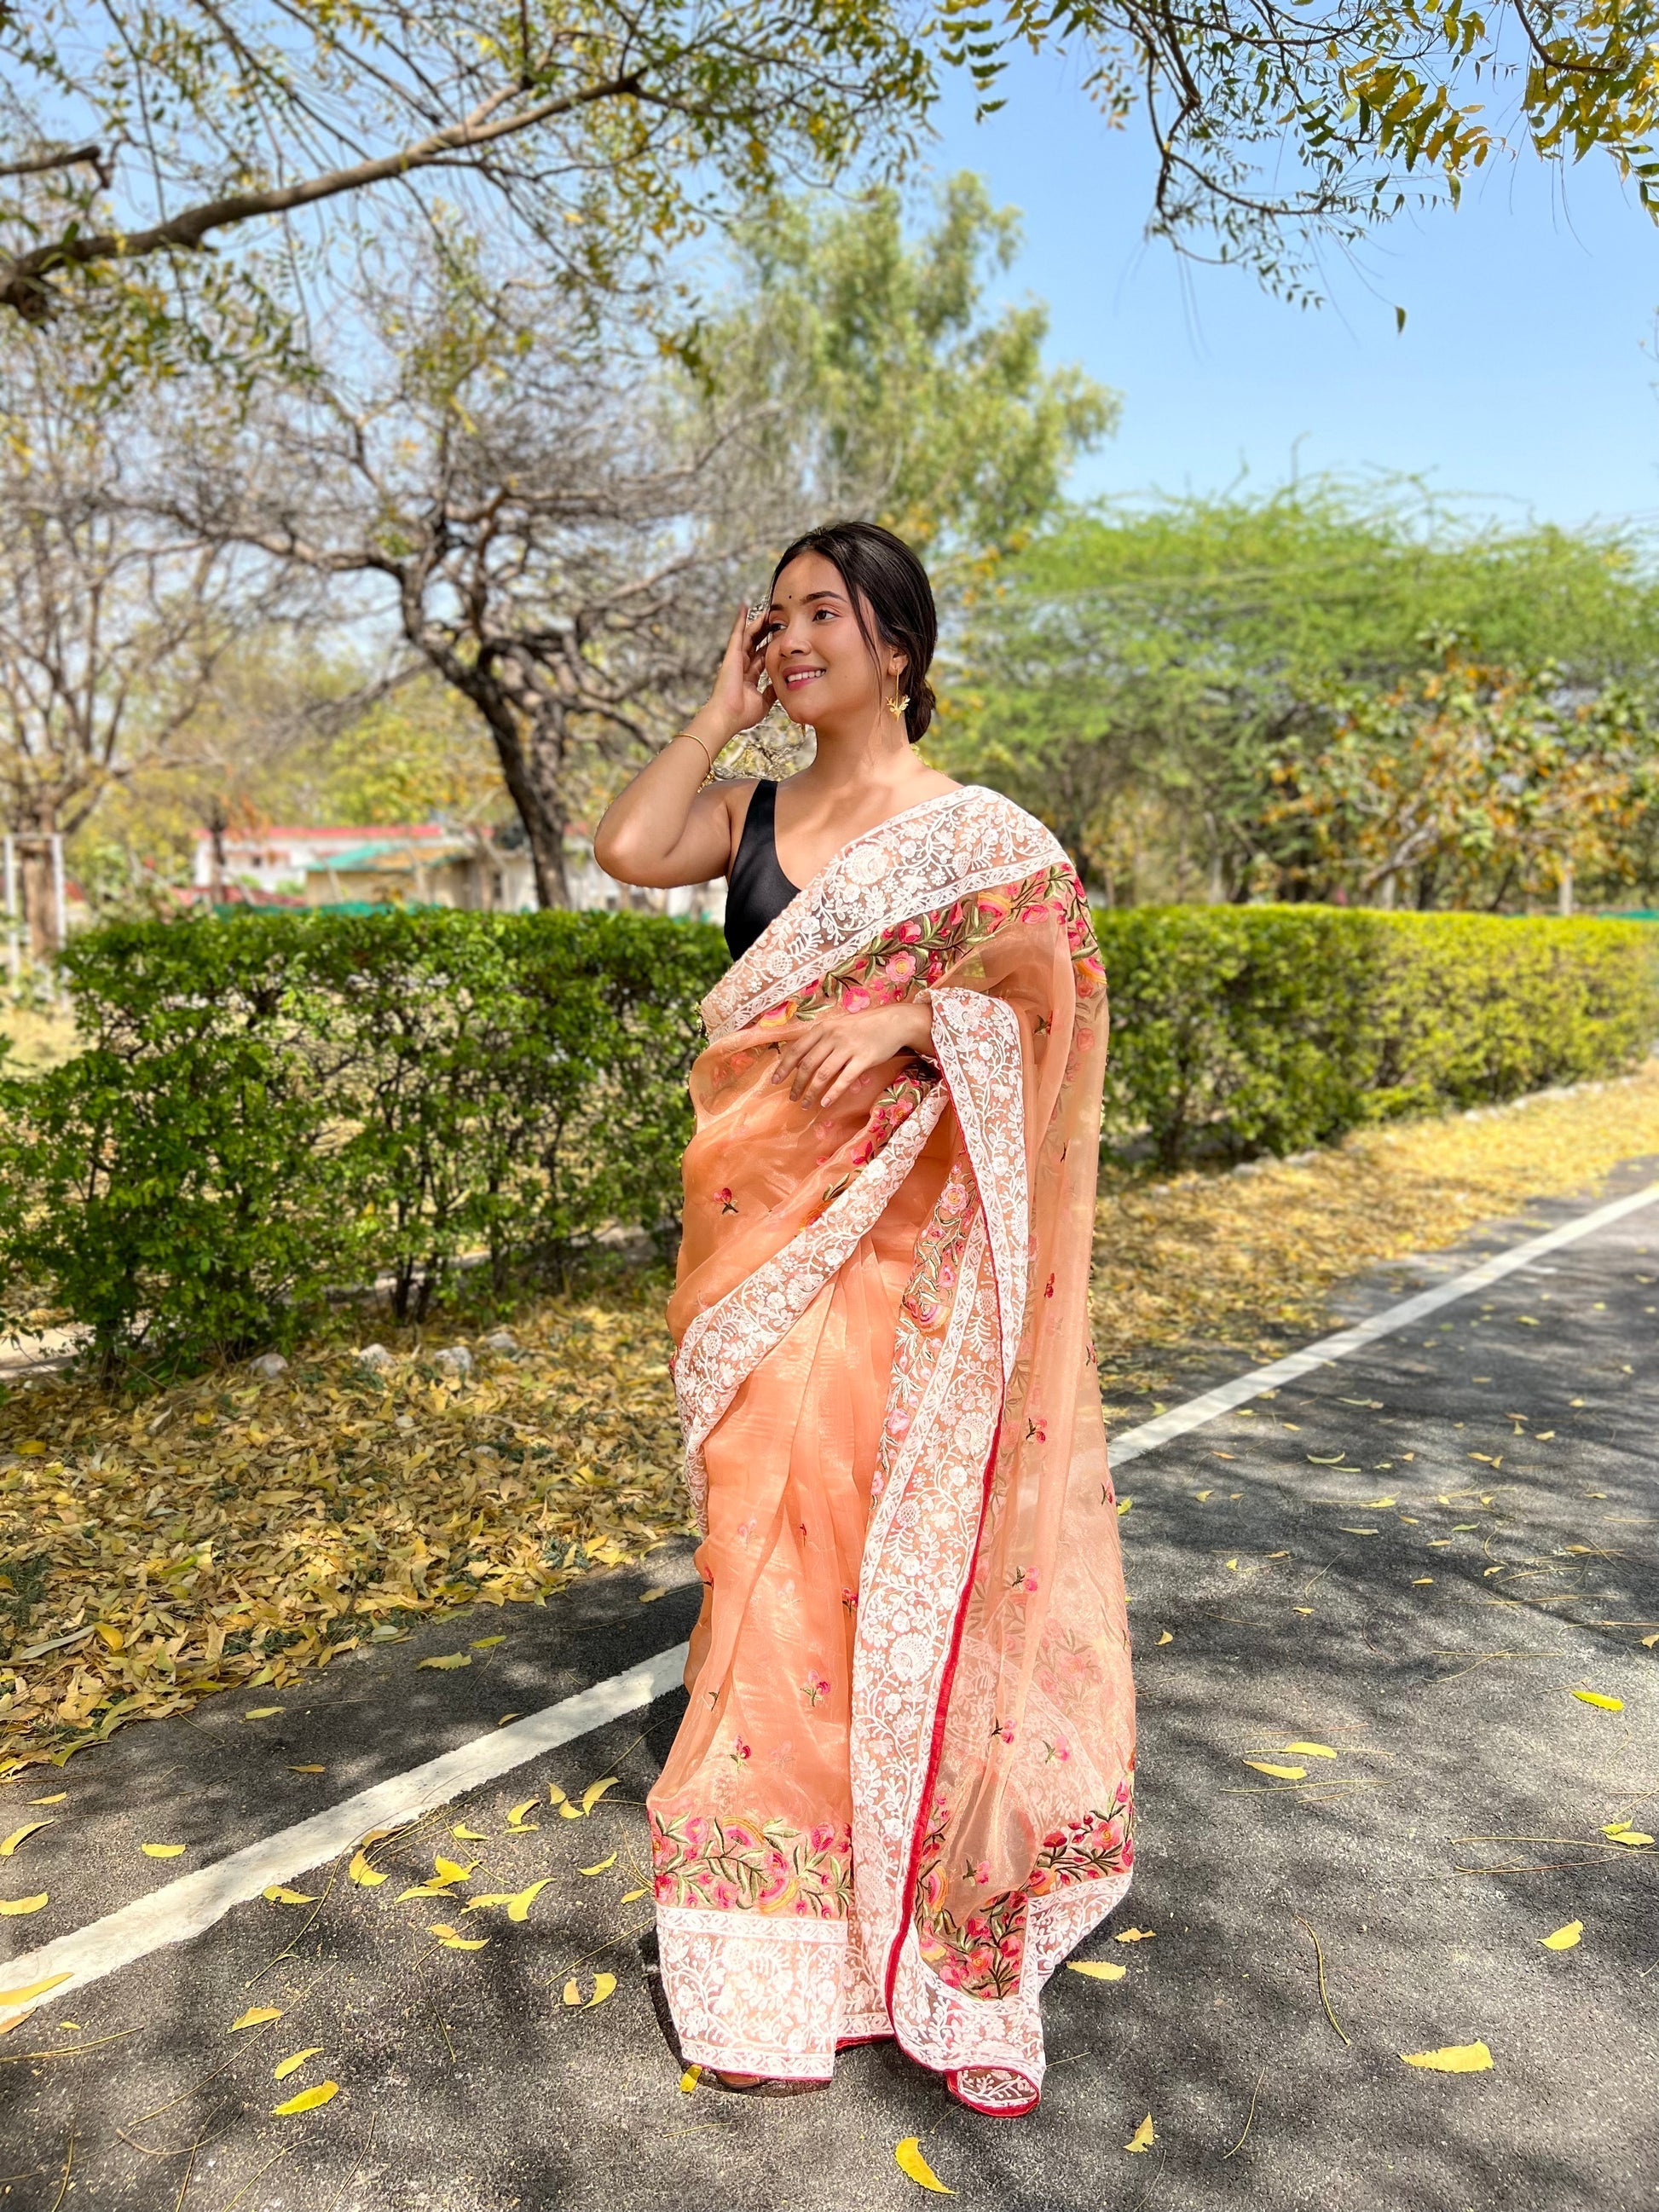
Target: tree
<point>1135,676</point>
<point>1473,785</point>
<point>113,625</point>
<point>178,168</point>
<point>561,526</point>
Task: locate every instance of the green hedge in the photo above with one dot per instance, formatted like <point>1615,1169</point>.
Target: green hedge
<point>1243,1029</point>
<point>267,1107</point>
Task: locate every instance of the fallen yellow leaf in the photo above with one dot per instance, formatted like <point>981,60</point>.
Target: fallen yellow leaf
<point>603,1986</point>
<point>1144,2136</point>
<point>517,1901</point>
<point>631,1896</point>
<point>261,1712</point>
<point>470,1835</point>
<point>307,1770</point>
<point>1311,1750</point>
<point>1634,1837</point>
<point>571,1995</point>
<point>604,1866</point>
<point>1233,1564</point>
<point>1648,1643</point>
<point>1123,1505</point>
<point>31,1989</point>
<point>18,1836</point>
<point>449,1660</point>
<point>506,1717</point>
<point>1596,1697</point>
<point>1563,1938</point>
<point>515,1820</point>
<point>361,1871</point>
<point>280,1894</point>
<point>569,1812</point>
<point>293,2064</point>
<point>908,2157</point>
<point>595,1790</point>
<point>452,1939</point>
<point>1280,1774</point>
<point>1135,1936</point>
<point>1097,1970</point>
<point>487,1643</point>
<point>57,1800</point>
<point>1452,2058</point>
<point>16,1907</point>
<point>255,2016</point>
<point>1202,1494</point>
<point>162,1851</point>
<point>689,2079</point>
<point>307,2101</point>
<point>34,1449</point>
<point>554,1795</point>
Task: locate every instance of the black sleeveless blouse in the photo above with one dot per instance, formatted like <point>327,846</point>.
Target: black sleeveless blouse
<point>757,889</point>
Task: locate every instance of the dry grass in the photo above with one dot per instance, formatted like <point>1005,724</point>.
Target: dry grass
<point>1238,1263</point>
<point>228,1533</point>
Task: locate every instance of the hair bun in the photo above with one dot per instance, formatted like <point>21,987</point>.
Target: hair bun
<point>919,715</point>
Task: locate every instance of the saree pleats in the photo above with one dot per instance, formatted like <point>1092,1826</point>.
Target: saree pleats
<point>902,1791</point>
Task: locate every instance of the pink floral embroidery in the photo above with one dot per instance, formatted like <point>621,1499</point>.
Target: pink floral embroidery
<point>726,1204</point>
<point>752,1866</point>
<point>814,1686</point>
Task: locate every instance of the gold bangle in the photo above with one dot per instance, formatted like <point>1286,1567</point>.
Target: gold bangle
<point>699,744</point>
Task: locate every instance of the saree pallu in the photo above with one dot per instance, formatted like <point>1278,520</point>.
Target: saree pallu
<point>902,1791</point>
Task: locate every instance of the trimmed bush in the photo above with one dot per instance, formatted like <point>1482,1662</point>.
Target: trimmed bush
<point>1270,1028</point>
<point>272,1105</point>
<point>275,1104</point>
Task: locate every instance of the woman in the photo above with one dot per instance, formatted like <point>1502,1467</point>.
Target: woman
<point>902,1791</point>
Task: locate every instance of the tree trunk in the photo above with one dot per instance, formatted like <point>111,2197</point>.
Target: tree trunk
<point>40,915</point>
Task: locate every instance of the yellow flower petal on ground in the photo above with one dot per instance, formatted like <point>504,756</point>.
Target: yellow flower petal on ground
<point>1452,2058</point>
<point>1596,1698</point>
<point>1563,1938</point>
<point>450,1659</point>
<point>1097,1970</point>
<point>292,2065</point>
<point>162,1851</point>
<point>307,2101</point>
<point>908,2157</point>
<point>255,2016</point>
<point>1144,2136</point>
<point>604,1866</point>
<point>16,1907</point>
<point>19,1835</point>
<point>280,1894</point>
<point>603,1984</point>
<point>1279,1774</point>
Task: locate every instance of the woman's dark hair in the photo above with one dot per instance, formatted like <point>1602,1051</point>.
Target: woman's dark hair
<point>881,572</point>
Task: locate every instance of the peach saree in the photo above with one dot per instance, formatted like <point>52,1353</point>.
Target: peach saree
<point>903,1790</point>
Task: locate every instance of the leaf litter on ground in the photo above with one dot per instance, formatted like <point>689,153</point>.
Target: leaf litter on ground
<point>222,1531</point>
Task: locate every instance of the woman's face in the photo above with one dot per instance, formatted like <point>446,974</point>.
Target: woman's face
<point>817,656</point>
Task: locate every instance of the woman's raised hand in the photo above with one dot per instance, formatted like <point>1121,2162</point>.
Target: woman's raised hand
<point>737,701</point>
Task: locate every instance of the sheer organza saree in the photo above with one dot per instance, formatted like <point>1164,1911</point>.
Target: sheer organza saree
<point>902,1792</point>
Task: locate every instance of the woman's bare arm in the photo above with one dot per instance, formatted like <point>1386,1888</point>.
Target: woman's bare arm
<point>664,828</point>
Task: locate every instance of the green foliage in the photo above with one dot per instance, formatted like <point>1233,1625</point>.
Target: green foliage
<point>857,335</point>
<point>1244,1030</point>
<point>265,1109</point>
<point>1138,675</point>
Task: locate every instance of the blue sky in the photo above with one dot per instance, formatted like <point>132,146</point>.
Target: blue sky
<point>1526,375</point>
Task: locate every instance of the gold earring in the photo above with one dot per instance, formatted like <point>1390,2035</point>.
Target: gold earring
<point>897,706</point>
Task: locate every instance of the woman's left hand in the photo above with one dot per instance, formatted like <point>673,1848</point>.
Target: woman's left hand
<point>825,1058</point>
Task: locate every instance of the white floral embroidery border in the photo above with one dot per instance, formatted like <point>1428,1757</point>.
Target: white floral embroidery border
<point>727,1343</point>
<point>978,1042</point>
<point>949,848</point>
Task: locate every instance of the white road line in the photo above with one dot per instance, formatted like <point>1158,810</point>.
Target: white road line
<point>191,1905</point>
<point>1197,1411</point>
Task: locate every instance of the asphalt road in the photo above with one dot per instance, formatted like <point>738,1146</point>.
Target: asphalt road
<point>1413,1557</point>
